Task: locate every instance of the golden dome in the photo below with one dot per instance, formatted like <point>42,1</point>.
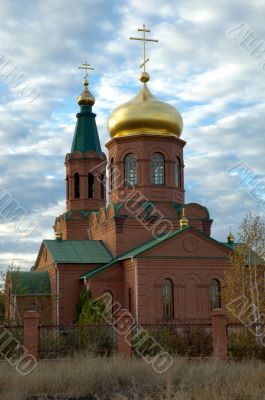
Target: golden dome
<point>86,98</point>
<point>230,237</point>
<point>145,114</point>
<point>183,222</point>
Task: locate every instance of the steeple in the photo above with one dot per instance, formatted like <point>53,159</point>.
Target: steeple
<point>86,164</point>
<point>86,133</point>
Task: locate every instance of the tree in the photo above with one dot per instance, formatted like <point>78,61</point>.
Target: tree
<point>244,283</point>
<point>89,309</point>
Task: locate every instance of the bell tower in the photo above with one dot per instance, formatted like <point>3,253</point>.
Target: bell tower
<point>85,170</point>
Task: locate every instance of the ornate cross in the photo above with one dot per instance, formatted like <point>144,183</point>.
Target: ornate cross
<point>144,40</point>
<point>86,66</point>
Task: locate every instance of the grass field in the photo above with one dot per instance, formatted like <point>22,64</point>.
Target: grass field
<point>120,379</point>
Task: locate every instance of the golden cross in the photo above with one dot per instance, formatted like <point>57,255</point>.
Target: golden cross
<point>86,66</point>
<point>144,30</point>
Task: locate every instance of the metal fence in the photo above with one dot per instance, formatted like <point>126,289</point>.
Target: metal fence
<point>77,340</point>
<point>189,340</point>
<point>186,340</point>
<point>246,342</point>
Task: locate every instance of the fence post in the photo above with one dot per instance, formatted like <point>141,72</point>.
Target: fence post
<point>219,334</point>
<point>31,332</point>
<point>124,326</point>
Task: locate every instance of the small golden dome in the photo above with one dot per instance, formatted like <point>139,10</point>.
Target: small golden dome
<point>145,114</point>
<point>86,98</point>
<point>184,222</point>
<point>230,237</point>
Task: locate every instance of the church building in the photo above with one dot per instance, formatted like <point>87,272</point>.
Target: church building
<point>138,241</point>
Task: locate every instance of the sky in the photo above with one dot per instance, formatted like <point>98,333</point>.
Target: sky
<point>201,65</point>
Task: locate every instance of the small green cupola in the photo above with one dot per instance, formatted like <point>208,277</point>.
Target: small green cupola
<point>86,136</point>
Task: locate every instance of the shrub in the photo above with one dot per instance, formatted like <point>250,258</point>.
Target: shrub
<point>190,341</point>
<point>242,344</point>
<point>59,342</point>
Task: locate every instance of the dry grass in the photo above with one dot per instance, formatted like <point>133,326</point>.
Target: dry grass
<point>120,379</point>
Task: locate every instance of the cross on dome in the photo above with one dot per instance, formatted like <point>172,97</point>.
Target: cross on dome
<point>144,76</point>
<point>86,98</point>
<point>86,67</point>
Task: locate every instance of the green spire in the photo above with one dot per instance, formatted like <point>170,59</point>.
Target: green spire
<point>86,132</point>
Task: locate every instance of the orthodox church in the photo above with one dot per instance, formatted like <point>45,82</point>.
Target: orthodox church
<point>145,247</point>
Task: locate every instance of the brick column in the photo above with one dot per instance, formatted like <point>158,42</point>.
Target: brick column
<point>31,332</point>
<point>124,326</point>
<point>219,334</point>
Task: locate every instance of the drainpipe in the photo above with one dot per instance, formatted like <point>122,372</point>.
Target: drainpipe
<point>57,293</point>
<point>136,290</point>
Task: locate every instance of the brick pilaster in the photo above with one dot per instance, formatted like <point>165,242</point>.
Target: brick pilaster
<point>124,326</point>
<point>219,334</point>
<point>31,332</point>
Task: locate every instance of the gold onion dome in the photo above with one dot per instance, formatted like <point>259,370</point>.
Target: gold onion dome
<point>86,98</point>
<point>230,237</point>
<point>145,114</point>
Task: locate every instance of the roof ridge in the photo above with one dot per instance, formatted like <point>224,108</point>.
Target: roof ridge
<point>156,241</point>
<point>121,256</point>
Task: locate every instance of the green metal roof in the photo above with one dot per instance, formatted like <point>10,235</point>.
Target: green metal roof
<point>86,132</point>
<point>30,283</point>
<point>252,258</point>
<point>78,251</point>
<point>144,247</point>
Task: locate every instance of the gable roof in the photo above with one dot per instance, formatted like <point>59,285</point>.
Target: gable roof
<point>147,246</point>
<point>25,283</point>
<point>78,251</point>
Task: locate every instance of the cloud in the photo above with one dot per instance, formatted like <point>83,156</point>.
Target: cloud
<point>196,66</point>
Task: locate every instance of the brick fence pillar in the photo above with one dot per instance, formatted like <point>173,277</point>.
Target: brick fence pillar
<point>124,326</point>
<point>219,334</point>
<point>31,332</point>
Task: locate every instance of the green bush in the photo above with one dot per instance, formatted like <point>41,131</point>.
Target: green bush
<point>60,342</point>
<point>243,344</point>
<point>190,341</point>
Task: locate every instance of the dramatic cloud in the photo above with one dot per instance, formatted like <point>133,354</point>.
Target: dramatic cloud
<point>216,84</point>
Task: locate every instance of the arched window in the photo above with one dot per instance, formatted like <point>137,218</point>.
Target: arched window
<point>67,188</point>
<point>102,187</point>
<point>167,292</point>
<point>158,169</point>
<point>90,182</point>
<point>130,170</point>
<point>178,173</point>
<point>76,185</point>
<point>112,177</point>
<point>215,294</point>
